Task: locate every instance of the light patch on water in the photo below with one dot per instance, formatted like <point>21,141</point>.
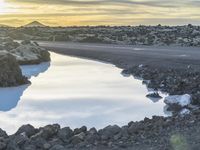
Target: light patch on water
<point>75,92</point>
<point>183,55</point>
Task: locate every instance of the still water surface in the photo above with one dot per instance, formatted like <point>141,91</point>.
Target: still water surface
<point>75,92</point>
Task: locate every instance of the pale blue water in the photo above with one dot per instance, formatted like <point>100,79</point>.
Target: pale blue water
<point>75,92</point>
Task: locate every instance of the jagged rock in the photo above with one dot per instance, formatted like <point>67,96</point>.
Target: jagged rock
<point>26,52</point>
<point>38,141</point>
<point>29,130</point>
<point>65,134</point>
<point>153,95</point>
<point>92,136</point>
<point>78,138</point>
<point>30,54</point>
<point>134,128</point>
<point>109,131</point>
<point>49,131</point>
<point>17,141</point>
<point>79,130</point>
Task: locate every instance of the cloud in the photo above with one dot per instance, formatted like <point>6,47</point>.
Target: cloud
<point>152,3</point>
<point>111,12</point>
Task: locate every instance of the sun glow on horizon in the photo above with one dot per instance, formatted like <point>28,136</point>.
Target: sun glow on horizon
<point>6,8</point>
<point>99,12</point>
<point>3,6</point>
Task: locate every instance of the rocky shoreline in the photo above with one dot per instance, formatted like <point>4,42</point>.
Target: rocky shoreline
<point>161,69</point>
<point>166,73</point>
<point>174,82</point>
<point>157,133</point>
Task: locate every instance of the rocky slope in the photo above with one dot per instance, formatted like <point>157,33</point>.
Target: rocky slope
<point>10,73</point>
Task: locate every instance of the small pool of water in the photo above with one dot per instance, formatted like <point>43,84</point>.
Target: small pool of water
<point>75,92</point>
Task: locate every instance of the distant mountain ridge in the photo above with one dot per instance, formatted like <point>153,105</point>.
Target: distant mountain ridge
<point>35,24</point>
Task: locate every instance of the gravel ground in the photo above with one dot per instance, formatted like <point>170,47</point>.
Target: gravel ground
<point>125,56</point>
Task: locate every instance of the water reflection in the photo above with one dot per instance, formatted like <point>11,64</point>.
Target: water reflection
<point>75,92</point>
<point>127,73</point>
<point>34,70</point>
<point>155,100</point>
<point>9,97</point>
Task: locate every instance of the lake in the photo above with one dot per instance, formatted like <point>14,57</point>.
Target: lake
<point>75,92</point>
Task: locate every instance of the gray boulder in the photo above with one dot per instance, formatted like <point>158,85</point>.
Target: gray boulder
<point>109,132</point>
<point>65,134</point>
<point>29,130</point>
<point>10,73</point>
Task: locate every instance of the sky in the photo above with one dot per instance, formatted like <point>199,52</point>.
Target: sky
<point>100,12</point>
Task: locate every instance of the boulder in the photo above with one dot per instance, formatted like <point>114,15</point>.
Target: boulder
<point>154,95</point>
<point>30,54</point>
<point>78,138</point>
<point>29,130</point>
<point>10,73</point>
<point>17,141</point>
<point>79,130</point>
<point>126,72</point>
<point>92,136</point>
<point>65,134</point>
<point>181,100</point>
<point>26,52</point>
<point>109,132</point>
<point>49,131</point>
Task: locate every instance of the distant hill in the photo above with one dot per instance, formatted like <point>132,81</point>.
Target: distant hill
<point>3,25</point>
<point>34,24</point>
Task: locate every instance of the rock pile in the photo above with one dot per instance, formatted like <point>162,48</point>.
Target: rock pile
<point>157,133</point>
